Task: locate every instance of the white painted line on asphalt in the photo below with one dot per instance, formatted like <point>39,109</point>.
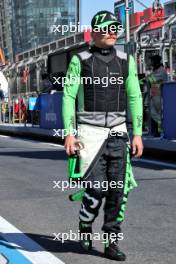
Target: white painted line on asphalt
<point>25,245</point>
<point>56,145</point>
<point>52,144</point>
<point>3,136</point>
<point>33,141</point>
<point>3,260</point>
<point>156,162</point>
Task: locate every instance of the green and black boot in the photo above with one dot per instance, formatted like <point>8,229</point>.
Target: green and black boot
<point>113,252</point>
<point>85,235</point>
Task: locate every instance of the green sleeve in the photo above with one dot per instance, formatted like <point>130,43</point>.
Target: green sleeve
<point>134,97</point>
<point>71,86</point>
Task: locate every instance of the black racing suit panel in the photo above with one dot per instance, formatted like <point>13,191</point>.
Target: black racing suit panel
<point>111,167</point>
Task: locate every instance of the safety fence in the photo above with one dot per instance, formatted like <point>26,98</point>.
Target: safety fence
<point>45,111</point>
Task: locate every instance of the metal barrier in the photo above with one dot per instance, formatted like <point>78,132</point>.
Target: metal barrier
<point>45,110</point>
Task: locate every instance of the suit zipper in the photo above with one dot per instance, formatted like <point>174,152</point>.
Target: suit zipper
<point>94,92</point>
<point>106,115</point>
<point>119,90</point>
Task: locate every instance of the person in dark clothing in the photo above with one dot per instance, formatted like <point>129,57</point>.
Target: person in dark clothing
<point>156,78</point>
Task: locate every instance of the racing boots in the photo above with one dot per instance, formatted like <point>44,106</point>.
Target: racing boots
<point>113,252</point>
<point>85,235</point>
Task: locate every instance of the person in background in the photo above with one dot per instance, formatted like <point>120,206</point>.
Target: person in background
<point>3,108</point>
<point>156,78</point>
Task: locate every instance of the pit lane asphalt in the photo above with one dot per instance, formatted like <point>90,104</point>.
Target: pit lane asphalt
<point>29,202</point>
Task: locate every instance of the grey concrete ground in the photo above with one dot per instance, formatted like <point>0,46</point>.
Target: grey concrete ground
<point>28,201</point>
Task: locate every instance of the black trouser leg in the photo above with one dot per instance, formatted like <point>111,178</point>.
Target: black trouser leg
<point>116,169</point>
<point>154,128</point>
<point>111,167</point>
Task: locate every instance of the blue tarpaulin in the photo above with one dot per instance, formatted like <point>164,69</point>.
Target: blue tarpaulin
<point>51,111</point>
<point>169,109</point>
